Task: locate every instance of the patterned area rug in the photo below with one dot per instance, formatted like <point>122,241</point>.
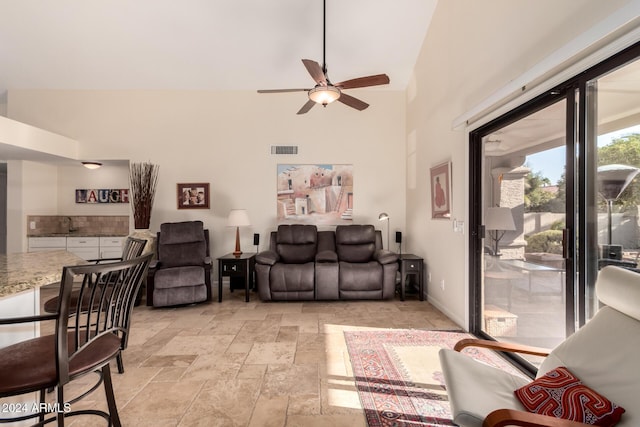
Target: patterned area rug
<point>398,375</point>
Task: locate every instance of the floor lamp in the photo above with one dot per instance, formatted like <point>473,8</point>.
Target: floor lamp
<point>498,221</point>
<point>385,217</point>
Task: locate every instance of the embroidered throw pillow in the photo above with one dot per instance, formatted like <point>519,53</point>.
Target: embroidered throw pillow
<point>560,394</point>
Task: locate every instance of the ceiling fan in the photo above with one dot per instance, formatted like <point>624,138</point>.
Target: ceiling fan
<point>326,92</point>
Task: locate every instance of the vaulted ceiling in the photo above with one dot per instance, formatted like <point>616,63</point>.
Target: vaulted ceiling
<point>204,44</point>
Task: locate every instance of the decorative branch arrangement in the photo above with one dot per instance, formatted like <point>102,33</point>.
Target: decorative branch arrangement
<point>142,180</point>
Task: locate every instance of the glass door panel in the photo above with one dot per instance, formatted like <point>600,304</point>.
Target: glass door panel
<point>524,215</point>
<point>616,97</point>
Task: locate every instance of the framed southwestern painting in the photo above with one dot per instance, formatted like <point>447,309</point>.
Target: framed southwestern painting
<point>320,194</point>
<point>193,196</point>
<point>441,191</point>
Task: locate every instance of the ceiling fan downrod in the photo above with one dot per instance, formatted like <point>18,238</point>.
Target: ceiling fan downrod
<point>324,37</point>
<point>324,92</point>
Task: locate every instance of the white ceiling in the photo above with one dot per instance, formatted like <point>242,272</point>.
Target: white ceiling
<point>204,44</point>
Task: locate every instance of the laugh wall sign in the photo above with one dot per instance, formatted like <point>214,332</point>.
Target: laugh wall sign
<point>120,195</point>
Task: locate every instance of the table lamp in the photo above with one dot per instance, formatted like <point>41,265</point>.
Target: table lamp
<point>238,218</point>
<point>498,220</point>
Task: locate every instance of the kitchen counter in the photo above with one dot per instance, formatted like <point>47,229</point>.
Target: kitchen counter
<point>98,234</point>
<point>25,271</point>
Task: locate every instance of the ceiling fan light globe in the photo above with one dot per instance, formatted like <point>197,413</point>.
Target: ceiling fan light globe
<point>324,94</point>
<point>91,165</point>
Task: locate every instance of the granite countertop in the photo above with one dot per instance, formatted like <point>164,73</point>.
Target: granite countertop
<point>24,271</point>
<point>98,234</point>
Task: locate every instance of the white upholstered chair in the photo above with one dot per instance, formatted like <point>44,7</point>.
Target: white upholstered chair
<point>602,354</point>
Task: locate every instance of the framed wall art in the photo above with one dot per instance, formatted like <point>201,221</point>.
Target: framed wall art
<point>441,191</point>
<point>193,196</point>
<point>320,194</point>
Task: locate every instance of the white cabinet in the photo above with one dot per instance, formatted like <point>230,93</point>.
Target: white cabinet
<point>26,303</point>
<point>39,244</point>
<point>84,247</point>
<point>111,247</point>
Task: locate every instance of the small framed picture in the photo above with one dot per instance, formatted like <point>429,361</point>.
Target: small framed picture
<point>441,191</point>
<point>193,196</point>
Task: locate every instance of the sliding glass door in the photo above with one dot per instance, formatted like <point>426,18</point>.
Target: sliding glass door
<point>554,198</point>
<point>523,286</point>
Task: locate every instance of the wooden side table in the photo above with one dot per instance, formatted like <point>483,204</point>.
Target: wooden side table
<point>411,264</point>
<point>241,266</point>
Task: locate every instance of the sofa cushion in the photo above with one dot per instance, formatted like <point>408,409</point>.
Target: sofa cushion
<point>172,233</point>
<point>297,244</point>
<point>179,296</point>
<point>355,243</point>
<point>327,256</point>
<point>182,243</point>
<point>182,254</point>
<point>365,276</point>
<point>560,394</point>
<point>292,277</point>
<point>179,276</point>
<point>471,400</point>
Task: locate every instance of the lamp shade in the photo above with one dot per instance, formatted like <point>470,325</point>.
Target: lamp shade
<point>499,218</point>
<point>383,217</point>
<point>238,218</point>
<point>613,179</point>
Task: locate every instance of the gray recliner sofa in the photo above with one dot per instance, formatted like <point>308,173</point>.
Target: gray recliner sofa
<point>303,263</point>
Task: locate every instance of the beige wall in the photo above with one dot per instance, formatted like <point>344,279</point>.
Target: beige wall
<point>224,138</point>
<point>31,187</point>
<point>471,50</point>
<point>77,176</point>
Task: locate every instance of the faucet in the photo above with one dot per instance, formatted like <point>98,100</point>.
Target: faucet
<point>71,229</point>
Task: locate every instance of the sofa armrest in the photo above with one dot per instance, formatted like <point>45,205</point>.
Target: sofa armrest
<point>326,256</point>
<point>384,256</point>
<point>512,417</point>
<point>267,258</point>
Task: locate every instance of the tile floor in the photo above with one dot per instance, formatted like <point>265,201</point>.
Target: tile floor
<point>248,364</point>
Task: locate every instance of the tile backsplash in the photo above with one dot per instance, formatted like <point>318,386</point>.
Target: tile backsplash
<point>80,225</point>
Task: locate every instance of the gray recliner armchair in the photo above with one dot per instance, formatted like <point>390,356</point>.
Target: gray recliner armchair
<point>182,272</point>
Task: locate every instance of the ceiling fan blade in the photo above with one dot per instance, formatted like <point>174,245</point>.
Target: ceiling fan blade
<point>316,71</point>
<point>282,90</point>
<point>352,102</point>
<point>306,107</point>
<point>378,79</point>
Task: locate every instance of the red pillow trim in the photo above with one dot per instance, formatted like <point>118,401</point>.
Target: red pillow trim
<point>560,394</point>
